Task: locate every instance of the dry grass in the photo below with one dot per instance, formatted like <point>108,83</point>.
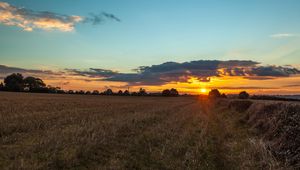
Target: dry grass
<point>47,131</point>
<point>277,125</point>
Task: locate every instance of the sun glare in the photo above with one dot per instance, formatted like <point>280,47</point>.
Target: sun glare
<point>203,90</point>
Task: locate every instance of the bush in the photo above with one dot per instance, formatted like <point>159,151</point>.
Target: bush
<point>214,93</point>
<point>244,95</point>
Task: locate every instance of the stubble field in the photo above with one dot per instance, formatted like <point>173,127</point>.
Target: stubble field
<point>48,131</point>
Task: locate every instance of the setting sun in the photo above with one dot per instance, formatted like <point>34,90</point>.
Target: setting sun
<point>203,90</point>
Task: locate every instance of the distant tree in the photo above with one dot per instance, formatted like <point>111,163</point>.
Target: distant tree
<point>214,93</point>
<point>70,92</point>
<point>60,91</point>
<point>95,92</point>
<point>223,95</point>
<point>142,92</point>
<point>120,92</point>
<point>34,84</point>
<point>14,82</point>
<point>126,93</point>
<point>174,92</point>
<point>52,89</point>
<point>80,92</point>
<point>244,95</point>
<point>88,92</point>
<point>134,94</point>
<point>1,86</point>
<point>166,92</point>
<point>108,92</point>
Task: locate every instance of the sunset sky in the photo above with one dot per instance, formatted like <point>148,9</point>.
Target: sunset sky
<point>190,45</point>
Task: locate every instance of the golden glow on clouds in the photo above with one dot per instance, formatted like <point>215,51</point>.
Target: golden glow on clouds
<point>12,16</point>
<point>226,85</point>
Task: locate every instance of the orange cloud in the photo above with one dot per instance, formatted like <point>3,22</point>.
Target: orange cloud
<point>29,20</point>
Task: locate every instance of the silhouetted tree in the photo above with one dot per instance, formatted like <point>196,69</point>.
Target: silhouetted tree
<point>134,94</point>
<point>126,93</point>
<point>166,92</point>
<point>80,92</point>
<point>1,87</point>
<point>95,92</point>
<point>244,95</point>
<point>223,95</point>
<point>174,92</point>
<point>120,92</point>
<point>214,93</point>
<point>142,92</point>
<point>70,92</point>
<point>88,92</point>
<point>52,89</point>
<point>34,84</point>
<point>108,92</point>
<point>60,91</point>
<point>14,82</point>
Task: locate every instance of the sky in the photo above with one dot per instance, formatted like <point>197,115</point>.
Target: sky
<point>186,44</point>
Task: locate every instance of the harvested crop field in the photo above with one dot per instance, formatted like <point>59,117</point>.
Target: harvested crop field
<point>49,131</point>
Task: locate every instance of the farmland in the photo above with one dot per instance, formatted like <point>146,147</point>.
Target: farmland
<point>51,131</point>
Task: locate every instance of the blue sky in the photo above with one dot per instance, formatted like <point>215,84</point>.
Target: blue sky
<point>95,44</point>
<point>152,32</point>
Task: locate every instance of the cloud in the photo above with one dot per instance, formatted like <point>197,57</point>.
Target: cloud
<point>181,72</point>
<point>29,20</point>
<point>292,85</point>
<point>274,71</point>
<point>169,72</point>
<point>235,88</point>
<point>4,70</point>
<point>92,72</point>
<point>111,16</point>
<point>283,35</point>
<point>243,88</point>
<point>96,19</point>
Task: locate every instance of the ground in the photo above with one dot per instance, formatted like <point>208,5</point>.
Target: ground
<point>52,131</point>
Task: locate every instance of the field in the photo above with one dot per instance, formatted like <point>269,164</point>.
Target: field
<point>49,131</point>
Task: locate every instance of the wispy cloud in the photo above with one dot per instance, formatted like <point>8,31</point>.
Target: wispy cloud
<point>284,35</point>
<point>29,20</point>
<point>96,19</point>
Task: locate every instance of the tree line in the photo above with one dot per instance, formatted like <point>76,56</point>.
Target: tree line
<point>214,93</point>
<point>17,83</point>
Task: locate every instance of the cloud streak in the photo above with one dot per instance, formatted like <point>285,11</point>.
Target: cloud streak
<point>8,70</point>
<point>29,20</point>
<point>283,35</point>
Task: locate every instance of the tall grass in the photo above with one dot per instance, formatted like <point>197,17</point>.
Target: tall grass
<point>277,123</point>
